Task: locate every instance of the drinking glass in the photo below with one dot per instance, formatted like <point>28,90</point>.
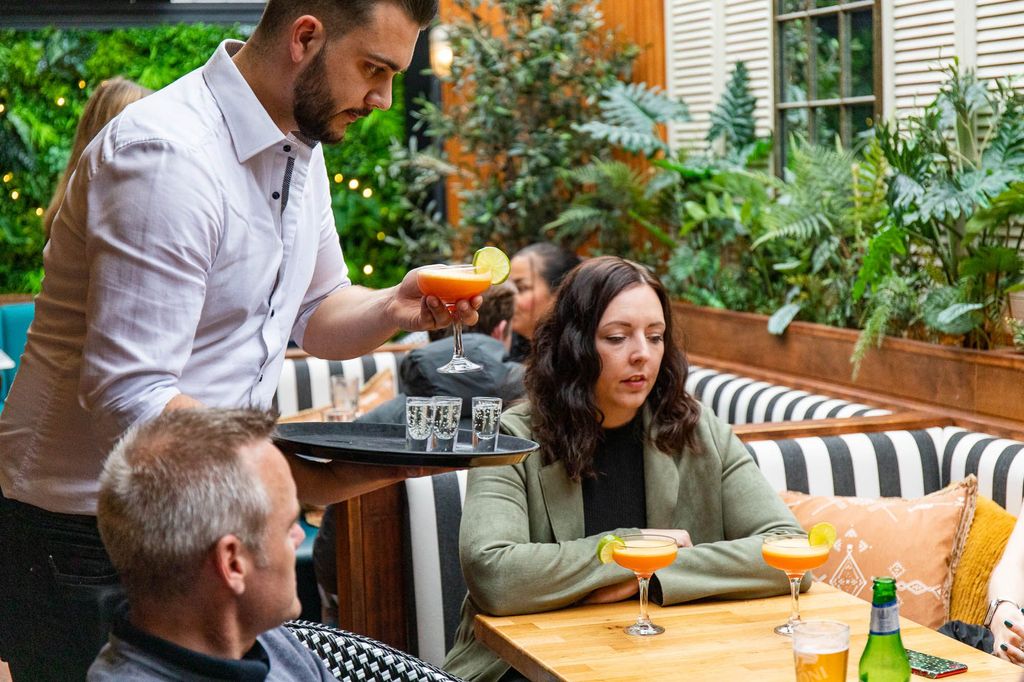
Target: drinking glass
<point>419,423</point>
<point>446,422</point>
<point>795,555</point>
<point>486,415</point>
<point>451,283</point>
<point>645,554</point>
<point>820,650</point>
<point>345,392</point>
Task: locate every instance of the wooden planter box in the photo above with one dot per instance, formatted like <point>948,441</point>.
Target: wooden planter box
<point>983,385</point>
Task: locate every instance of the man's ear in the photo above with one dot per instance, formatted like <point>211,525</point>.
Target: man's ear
<point>306,38</point>
<point>232,562</point>
<point>500,330</point>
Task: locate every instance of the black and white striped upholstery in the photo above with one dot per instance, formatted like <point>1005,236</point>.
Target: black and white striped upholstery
<point>895,464</point>
<point>997,462</point>
<point>885,464</point>
<point>355,658</point>
<point>742,400</point>
<point>306,382</point>
<point>434,513</point>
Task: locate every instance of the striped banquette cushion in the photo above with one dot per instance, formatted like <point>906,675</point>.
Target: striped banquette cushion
<point>306,382</point>
<point>742,400</point>
<point>895,464</point>
<point>997,462</point>
<point>432,520</point>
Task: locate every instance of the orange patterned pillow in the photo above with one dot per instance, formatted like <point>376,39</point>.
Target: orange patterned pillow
<point>917,541</point>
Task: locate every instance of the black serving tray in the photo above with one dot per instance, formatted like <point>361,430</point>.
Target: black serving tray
<point>367,443</point>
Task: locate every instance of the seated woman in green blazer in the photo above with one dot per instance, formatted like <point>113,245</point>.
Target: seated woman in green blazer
<point>622,447</point>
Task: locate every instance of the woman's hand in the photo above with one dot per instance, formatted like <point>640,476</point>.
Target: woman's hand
<point>681,537</point>
<point>612,593</point>
<point>1008,641</point>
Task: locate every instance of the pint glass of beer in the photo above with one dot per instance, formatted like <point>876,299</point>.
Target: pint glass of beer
<point>820,648</point>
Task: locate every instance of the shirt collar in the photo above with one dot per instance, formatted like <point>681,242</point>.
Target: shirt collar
<point>252,130</point>
<point>254,666</point>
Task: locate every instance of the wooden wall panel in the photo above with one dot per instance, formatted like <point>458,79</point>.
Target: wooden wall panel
<point>642,23</point>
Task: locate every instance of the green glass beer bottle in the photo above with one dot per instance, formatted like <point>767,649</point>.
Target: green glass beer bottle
<point>884,658</point>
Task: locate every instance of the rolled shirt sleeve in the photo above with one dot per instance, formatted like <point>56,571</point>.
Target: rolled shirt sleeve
<point>156,219</point>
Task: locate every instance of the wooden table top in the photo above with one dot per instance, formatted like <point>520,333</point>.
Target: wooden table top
<point>718,641</point>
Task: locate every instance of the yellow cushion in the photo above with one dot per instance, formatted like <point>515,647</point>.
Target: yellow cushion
<point>985,543</point>
<point>917,541</point>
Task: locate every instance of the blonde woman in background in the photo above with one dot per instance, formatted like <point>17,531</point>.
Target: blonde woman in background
<point>106,102</point>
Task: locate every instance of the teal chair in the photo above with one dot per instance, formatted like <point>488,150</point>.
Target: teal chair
<point>15,319</point>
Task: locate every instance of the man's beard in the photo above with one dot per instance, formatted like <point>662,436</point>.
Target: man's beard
<point>313,108</point>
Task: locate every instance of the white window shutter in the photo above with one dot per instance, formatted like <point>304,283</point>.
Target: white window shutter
<point>1000,26</point>
<point>690,38</point>
<point>748,39</point>
<point>924,40</point>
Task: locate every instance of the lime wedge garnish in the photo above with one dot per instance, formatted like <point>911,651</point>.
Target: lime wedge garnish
<point>606,547</point>
<point>822,534</point>
<point>493,259</point>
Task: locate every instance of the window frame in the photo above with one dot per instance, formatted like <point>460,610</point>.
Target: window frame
<point>780,107</point>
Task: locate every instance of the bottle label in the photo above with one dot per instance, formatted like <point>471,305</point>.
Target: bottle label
<point>885,618</point>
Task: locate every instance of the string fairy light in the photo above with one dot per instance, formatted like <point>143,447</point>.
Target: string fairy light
<point>367,193</point>
<point>353,184</point>
<point>367,269</point>
<point>381,236</point>
<point>15,194</point>
<point>61,101</point>
<point>338,177</point>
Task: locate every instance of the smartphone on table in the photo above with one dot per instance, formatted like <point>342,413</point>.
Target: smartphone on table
<point>933,667</point>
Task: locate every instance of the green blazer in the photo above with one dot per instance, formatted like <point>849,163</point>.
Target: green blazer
<point>523,549</point>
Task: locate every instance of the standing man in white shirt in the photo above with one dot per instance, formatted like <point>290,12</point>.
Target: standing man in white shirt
<point>195,239</point>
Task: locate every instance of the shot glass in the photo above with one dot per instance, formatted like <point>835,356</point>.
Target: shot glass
<point>335,415</point>
<point>446,422</point>
<point>419,423</point>
<point>820,650</point>
<point>486,415</point>
<point>345,396</point>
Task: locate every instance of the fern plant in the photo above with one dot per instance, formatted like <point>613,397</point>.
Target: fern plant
<point>630,115</point>
<point>955,186</point>
<point>732,133</point>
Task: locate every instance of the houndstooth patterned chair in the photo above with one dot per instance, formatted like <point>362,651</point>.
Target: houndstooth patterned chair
<point>355,658</point>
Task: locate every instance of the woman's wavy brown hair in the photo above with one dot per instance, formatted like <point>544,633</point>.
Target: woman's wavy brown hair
<point>565,365</point>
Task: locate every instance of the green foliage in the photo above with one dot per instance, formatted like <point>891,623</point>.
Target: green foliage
<point>732,120</point>
<point>521,85</point>
<point>630,114</point>
<point>954,190</point>
<point>46,77</point>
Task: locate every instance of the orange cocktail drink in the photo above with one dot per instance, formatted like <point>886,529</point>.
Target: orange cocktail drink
<point>794,555</point>
<point>453,283</point>
<point>644,556</point>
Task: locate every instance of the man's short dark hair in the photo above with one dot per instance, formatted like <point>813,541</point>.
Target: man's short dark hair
<point>498,306</point>
<point>338,16</point>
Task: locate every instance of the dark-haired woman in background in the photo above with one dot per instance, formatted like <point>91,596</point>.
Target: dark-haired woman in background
<point>537,270</point>
<point>622,447</point>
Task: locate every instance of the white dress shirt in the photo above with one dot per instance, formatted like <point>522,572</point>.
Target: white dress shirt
<point>194,240</point>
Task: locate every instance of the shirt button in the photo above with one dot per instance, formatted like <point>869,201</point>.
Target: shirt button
<point>287,147</point>
<point>276,195</point>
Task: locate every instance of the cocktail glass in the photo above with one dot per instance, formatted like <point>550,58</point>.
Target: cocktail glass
<point>451,283</point>
<point>645,554</point>
<point>795,555</point>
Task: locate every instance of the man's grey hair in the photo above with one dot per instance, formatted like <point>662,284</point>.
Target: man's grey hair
<point>171,488</point>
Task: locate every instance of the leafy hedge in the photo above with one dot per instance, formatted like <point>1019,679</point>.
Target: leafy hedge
<point>46,76</point>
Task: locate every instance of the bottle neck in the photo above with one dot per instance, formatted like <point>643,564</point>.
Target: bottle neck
<point>885,618</point>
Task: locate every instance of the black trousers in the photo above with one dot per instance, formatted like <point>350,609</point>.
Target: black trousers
<point>58,592</point>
